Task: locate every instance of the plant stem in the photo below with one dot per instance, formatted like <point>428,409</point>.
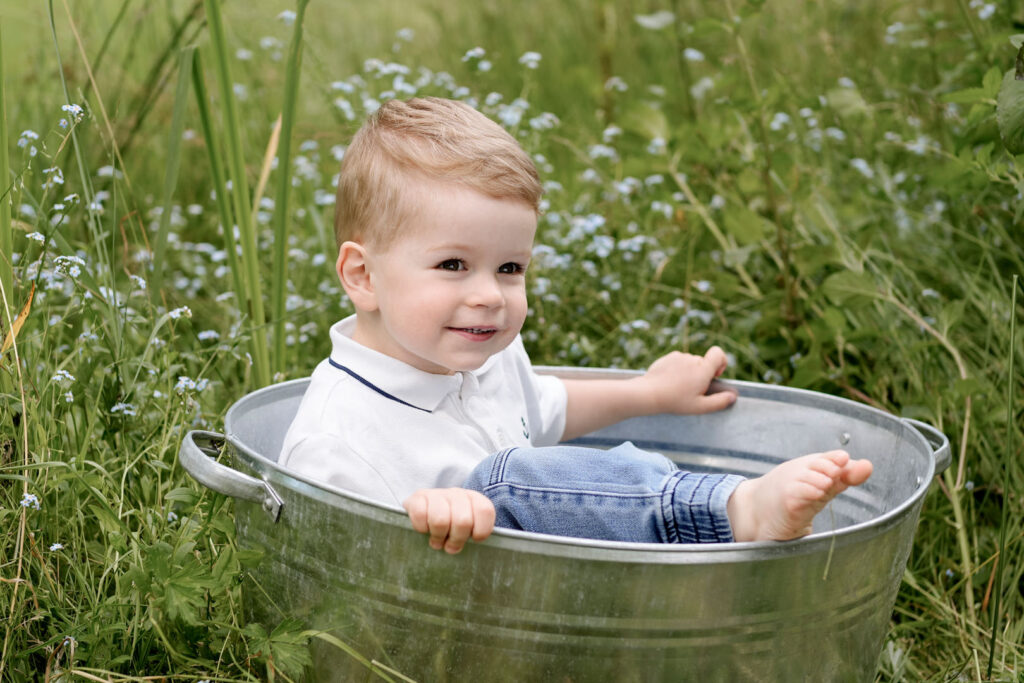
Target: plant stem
<point>6,195</point>
<point>1007,482</point>
<point>279,276</point>
<point>253,304</point>
<point>213,149</point>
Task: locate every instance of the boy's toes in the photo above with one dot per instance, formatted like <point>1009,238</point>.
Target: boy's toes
<point>857,472</point>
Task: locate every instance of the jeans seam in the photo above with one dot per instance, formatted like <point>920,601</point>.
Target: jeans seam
<point>668,512</point>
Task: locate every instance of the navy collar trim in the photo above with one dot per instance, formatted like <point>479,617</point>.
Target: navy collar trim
<point>373,386</point>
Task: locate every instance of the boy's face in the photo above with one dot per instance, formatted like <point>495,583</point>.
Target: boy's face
<point>450,292</point>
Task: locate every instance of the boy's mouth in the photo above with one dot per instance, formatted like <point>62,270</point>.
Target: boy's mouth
<point>475,333</point>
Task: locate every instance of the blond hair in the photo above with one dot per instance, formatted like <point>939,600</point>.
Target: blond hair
<point>424,139</point>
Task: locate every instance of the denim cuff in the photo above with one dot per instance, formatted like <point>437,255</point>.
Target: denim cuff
<point>694,507</point>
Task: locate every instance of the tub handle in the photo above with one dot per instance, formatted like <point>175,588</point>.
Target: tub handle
<point>939,443</point>
<point>197,457</point>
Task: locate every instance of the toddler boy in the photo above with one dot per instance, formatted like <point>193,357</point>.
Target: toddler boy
<point>428,398</point>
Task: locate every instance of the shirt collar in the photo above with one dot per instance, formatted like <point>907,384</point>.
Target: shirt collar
<point>394,378</point>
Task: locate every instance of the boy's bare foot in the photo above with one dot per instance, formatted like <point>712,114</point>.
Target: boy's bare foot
<point>781,504</point>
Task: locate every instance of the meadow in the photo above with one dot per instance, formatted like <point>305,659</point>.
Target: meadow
<point>821,188</point>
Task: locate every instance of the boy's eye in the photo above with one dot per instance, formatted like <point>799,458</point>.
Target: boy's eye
<point>511,268</point>
<point>453,264</point>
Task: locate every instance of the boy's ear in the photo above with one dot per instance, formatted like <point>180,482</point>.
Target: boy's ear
<point>353,269</point>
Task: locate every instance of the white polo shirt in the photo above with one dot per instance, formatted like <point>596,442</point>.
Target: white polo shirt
<point>376,426</point>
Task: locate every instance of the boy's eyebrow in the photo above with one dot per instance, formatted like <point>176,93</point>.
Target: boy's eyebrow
<point>459,246</point>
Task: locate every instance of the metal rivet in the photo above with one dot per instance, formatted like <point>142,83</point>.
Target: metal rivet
<point>844,438</point>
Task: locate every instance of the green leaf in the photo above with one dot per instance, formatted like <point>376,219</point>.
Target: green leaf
<point>991,81</point>
<point>745,225</point>
<point>1017,40</point>
<point>847,102</point>
<point>646,121</point>
<point>968,96</point>
<point>1010,113</point>
<point>846,287</point>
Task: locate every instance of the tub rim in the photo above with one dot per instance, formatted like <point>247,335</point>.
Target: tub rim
<point>617,551</point>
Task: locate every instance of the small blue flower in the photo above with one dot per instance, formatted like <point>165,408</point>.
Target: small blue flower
<point>29,500</point>
<point>54,547</point>
<point>531,60</point>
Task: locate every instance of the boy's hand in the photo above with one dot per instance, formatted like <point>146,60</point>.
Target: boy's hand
<point>450,516</point>
<point>679,382</point>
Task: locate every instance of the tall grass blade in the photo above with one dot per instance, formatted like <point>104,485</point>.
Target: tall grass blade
<point>171,175</point>
<point>253,303</point>
<point>1001,560</point>
<point>6,228</point>
<point>214,150</point>
<point>280,268</point>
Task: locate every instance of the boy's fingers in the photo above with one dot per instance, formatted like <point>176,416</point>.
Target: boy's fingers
<point>461,521</point>
<point>416,506</point>
<point>721,400</point>
<point>439,520</point>
<point>717,359</point>
<point>483,516</point>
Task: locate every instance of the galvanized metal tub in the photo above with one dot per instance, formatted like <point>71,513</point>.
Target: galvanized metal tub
<point>529,607</point>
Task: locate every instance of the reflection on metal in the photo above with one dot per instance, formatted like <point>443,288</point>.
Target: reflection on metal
<point>527,607</point>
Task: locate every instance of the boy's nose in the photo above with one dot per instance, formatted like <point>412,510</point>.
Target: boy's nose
<point>485,291</point>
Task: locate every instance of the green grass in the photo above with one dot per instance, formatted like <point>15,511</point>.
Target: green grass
<point>820,188</point>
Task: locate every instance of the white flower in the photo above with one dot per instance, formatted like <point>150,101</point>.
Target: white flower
<point>702,88</point>
<point>62,376</point>
<point>610,133</point>
<point>37,236</point>
<point>69,397</point>
<point>474,53</point>
<point>845,82</point>
<point>54,547</point>
<point>617,84</point>
<point>691,55</point>
<point>602,152</point>
<point>484,65</point>
<point>29,500</point>
<point>780,119</point>
<point>54,176</point>
<point>26,137</point>
<point>863,166</point>
<point>126,409</point>
<point>530,59</point>
<point>109,172</point>
<point>69,265</point>
<point>243,54</point>
<point>656,21</point>
<point>179,312</point>
<point>287,16</point>
<point>717,202</point>
<point>406,34</point>
<point>986,11</point>
<point>74,110</point>
<point>208,335</point>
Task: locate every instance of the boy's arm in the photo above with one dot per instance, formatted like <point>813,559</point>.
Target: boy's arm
<point>450,516</point>
<point>675,383</point>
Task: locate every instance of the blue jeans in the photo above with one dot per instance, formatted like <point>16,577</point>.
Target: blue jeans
<point>622,494</point>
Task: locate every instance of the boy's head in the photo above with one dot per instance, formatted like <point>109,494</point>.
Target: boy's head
<point>406,147</point>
